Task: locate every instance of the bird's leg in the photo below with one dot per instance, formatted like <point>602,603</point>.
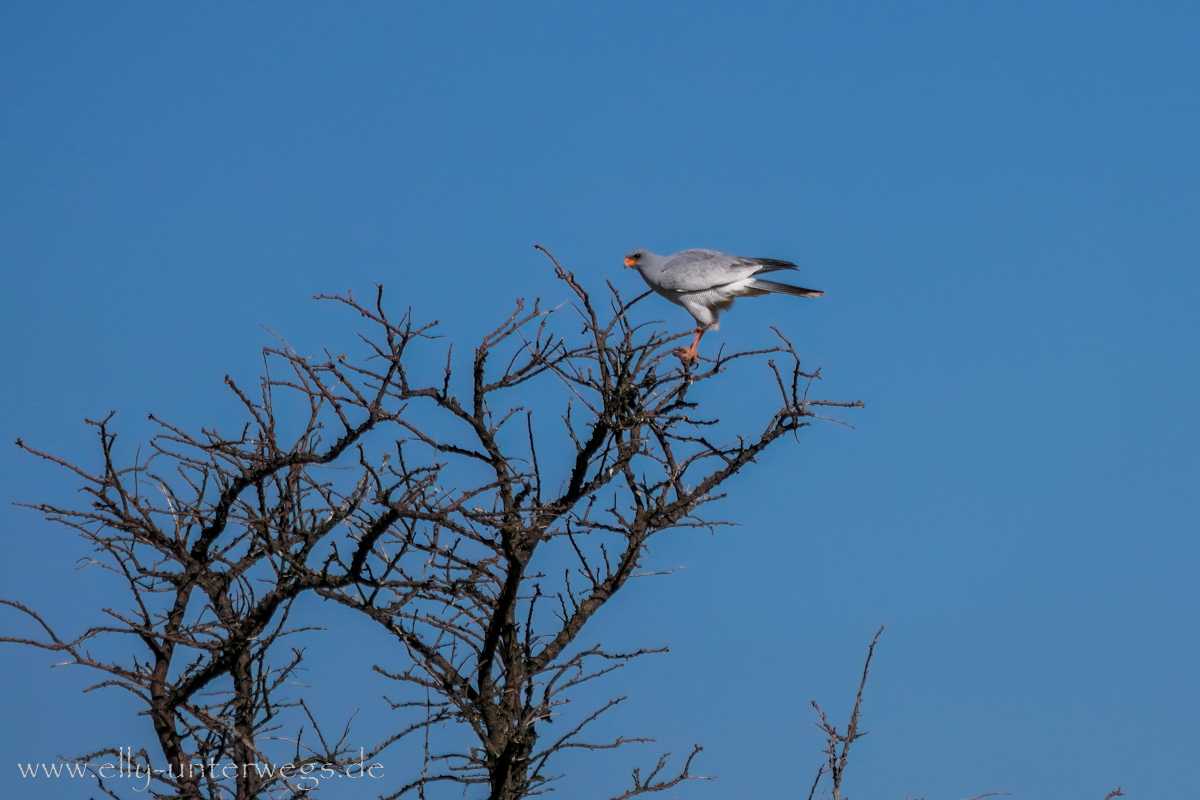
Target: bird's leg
<point>690,353</point>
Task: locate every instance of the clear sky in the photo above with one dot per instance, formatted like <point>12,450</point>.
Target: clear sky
<point>1001,201</point>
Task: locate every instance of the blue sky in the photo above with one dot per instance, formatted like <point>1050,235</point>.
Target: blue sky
<point>1000,201</point>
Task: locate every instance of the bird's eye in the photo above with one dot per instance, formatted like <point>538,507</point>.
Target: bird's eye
<point>636,256</point>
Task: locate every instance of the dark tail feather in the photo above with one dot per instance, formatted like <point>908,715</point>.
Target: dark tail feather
<point>771,264</point>
<point>783,288</point>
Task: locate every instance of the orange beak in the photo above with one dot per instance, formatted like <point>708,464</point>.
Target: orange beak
<point>629,262</point>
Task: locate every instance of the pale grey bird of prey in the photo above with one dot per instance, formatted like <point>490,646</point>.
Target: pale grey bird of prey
<point>706,283</point>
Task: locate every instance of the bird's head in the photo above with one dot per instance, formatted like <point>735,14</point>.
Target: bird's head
<point>634,258</point>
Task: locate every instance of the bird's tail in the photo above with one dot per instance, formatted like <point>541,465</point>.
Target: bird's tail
<point>783,288</point>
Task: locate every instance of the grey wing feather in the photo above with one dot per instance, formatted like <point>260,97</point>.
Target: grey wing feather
<point>769,264</point>
<point>698,270</point>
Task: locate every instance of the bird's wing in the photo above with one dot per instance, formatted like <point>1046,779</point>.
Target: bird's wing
<point>698,270</point>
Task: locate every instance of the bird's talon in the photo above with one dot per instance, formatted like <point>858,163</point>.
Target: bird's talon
<point>686,355</point>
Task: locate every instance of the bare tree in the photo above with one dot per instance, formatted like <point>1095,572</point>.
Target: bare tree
<point>837,744</point>
<point>456,512</point>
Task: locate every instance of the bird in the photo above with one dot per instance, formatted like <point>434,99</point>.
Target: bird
<point>706,283</point>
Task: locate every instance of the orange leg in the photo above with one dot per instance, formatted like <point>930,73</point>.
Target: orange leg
<point>690,353</point>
